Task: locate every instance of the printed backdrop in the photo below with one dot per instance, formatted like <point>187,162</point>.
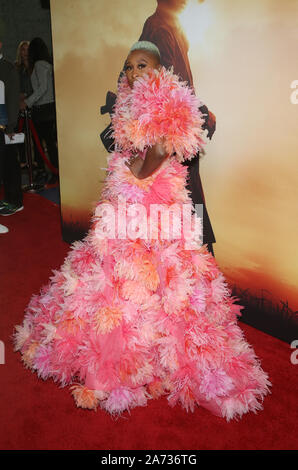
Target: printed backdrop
<point>243,55</point>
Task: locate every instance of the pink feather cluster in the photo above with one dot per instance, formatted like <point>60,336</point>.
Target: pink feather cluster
<point>159,108</point>
<point>155,326</point>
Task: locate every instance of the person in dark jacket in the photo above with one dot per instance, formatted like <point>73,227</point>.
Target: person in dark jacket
<point>163,29</point>
<point>10,171</point>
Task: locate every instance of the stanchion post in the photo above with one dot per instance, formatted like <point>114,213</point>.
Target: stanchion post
<point>28,147</point>
<point>32,187</point>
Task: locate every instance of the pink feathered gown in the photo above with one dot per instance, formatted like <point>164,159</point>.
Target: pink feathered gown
<point>131,316</point>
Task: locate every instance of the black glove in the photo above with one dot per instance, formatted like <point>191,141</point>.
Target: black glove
<point>110,101</point>
<point>210,121</point>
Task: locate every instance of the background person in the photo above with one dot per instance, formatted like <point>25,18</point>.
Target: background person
<point>42,100</point>
<point>164,30</point>
<point>22,65</point>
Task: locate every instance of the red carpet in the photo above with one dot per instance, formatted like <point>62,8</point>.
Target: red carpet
<point>40,415</point>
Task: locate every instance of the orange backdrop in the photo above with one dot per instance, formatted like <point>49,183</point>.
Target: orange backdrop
<point>243,56</point>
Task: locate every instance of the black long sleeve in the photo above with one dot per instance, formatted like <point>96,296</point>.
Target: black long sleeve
<point>10,78</point>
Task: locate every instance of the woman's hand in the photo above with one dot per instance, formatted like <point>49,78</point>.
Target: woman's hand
<point>135,163</point>
<point>10,135</point>
<point>144,168</point>
<point>131,160</point>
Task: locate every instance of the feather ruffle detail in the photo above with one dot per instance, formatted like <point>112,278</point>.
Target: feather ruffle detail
<point>159,108</point>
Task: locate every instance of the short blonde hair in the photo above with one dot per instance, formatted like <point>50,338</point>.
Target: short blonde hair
<point>18,61</point>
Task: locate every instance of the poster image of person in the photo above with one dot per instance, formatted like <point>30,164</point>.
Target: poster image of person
<point>163,29</point>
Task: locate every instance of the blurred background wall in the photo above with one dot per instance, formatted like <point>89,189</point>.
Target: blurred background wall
<point>22,20</point>
<point>243,55</point>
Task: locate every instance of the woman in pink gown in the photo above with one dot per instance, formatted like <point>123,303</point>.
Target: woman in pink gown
<point>139,308</point>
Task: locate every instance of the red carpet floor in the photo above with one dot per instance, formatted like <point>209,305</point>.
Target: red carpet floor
<point>40,415</point>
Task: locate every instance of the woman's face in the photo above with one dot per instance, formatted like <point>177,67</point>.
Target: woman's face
<point>138,63</point>
<point>24,51</point>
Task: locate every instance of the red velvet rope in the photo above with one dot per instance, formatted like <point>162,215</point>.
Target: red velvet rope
<point>21,124</point>
<point>38,145</point>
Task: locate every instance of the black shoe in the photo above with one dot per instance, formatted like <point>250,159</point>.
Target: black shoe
<point>3,204</point>
<point>10,209</point>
